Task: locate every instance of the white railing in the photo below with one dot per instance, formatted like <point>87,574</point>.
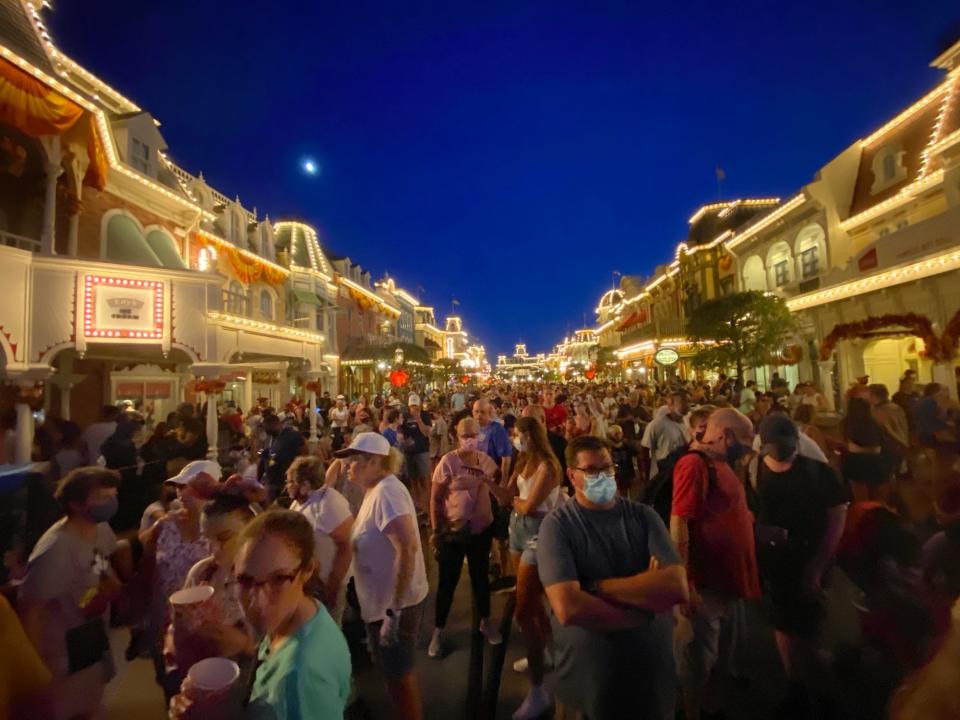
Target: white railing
<point>19,241</point>
<point>218,197</point>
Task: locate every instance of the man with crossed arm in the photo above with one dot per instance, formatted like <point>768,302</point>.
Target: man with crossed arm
<point>611,576</point>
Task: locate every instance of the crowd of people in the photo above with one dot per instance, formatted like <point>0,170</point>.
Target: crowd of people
<point>640,526</point>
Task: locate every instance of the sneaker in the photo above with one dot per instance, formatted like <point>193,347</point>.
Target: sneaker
<point>536,703</point>
<point>435,648</point>
<point>492,632</point>
<point>523,665</point>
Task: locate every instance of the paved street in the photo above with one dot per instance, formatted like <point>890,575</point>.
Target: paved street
<point>444,682</point>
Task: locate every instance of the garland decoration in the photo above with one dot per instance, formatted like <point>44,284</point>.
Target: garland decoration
<point>314,386</point>
<point>209,387</point>
<point>919,325</point>
<point>950,338</point>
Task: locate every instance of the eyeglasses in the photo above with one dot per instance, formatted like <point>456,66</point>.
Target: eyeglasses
<point>611,468</point>
<point>274,583</point>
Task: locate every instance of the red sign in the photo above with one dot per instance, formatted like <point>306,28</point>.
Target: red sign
<point>868,260</point>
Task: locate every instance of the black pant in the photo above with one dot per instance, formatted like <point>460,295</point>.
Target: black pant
<point>450,563</point>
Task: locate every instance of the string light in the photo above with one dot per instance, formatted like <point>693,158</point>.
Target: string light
<point>904,196</point>
<point>261,325</point>
<point>897,276</point>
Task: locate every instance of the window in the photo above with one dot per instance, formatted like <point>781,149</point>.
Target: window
<point>889,166</point>
<point>266,304</point>
<point>809,263</point>
<point>781,273</point>
<point>321,320</point>
<point>236,299</point>
<point>726,285</point>
<point>140,156</point>
<point>884,231</point>
<point>902,224</point>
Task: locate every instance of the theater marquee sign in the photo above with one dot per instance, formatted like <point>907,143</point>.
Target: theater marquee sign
<point>121,309</point>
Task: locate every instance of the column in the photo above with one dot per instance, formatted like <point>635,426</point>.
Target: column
<point>826,383</point>
<point>53,170</point>
<point>79,163</point>
<point>943,373</point>
<point>247,391</point>
<point>313,439</point>
<point>24,434</point>
<point>212,425</point>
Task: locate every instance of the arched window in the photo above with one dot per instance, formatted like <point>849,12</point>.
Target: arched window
<point>237,299</point>
<point>266,304</point>
<point>779,261</point>
<point>124,242</point>
<point>810,247</point>
<point>164,248</point>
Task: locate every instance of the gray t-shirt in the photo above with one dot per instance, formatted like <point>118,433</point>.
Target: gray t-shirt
<point>64,572</point>
<point>627,673</point>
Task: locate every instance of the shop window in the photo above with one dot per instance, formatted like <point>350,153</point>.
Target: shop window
<point>781,273</point>
<point>266,304</point>
<point>809,263</point>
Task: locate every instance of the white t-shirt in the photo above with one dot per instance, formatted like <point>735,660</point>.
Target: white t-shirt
<point>661,437</point>
<point>375,561</point>
<point>339,417</point>
<point>326,509</point>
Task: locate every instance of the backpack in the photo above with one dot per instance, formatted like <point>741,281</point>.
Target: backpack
<point>660,493</point>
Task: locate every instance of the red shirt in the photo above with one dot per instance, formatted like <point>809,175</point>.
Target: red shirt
<point>723,556</point>
<point>556,416</point>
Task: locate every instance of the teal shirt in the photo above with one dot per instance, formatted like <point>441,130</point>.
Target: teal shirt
<point>307,678</point>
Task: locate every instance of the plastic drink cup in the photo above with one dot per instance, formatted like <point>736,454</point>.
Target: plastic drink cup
<point>213,675</point>
<point>188,604</point>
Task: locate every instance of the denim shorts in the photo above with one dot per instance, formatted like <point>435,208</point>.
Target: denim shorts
<point>523,537</point>
<point>396,661</point>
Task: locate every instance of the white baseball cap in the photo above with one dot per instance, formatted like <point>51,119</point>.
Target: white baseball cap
<point>414,399</point>
<point>191,470</point>
<point>366,442</point>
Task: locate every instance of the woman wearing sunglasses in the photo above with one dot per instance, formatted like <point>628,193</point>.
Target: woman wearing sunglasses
<point>389,572</point>
<point>303,664</point>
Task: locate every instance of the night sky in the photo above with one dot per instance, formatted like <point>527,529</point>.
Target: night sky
<point>509,154</point>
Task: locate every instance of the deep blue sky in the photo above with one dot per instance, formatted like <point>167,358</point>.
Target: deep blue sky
<point>510,154</point>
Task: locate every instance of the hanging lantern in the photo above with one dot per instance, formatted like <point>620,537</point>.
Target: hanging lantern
<point>399,378</point>
<point>464,379</point>
<point>590,374</point>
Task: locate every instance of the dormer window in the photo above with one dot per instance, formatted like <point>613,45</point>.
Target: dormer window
<point>888,168</point>
<point>140,156</point>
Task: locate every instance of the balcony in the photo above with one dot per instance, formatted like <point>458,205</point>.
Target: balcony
<point>20,242</point>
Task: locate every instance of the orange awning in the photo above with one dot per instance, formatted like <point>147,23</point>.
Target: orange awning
<point>36,110</point>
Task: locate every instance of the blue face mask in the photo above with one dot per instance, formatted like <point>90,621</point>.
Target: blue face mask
<point>601,488</point>
<point>104,511</point>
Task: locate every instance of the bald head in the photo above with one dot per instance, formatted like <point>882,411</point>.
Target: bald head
<point>482,412</point>
<point>726,429</point>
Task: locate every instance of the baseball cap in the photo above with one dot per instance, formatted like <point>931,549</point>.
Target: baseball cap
<point>414,399</point>
<point>341,396</point>
<point>778,429</point>
<point>195,468</point>
<point>366,442</point>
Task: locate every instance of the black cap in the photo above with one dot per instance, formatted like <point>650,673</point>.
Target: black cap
<point>778,429</point>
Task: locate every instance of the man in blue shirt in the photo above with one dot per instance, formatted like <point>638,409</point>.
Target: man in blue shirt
<point>493,438</point>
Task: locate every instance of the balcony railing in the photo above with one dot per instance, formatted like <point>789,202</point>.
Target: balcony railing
<point>19,241</point>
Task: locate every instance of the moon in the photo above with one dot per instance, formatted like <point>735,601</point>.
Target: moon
<point>310,167</point>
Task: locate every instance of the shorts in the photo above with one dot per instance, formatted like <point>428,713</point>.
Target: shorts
<point>713,642</point>
<point>523,537</point>
<point>418,466</point>
<point>396,661</point>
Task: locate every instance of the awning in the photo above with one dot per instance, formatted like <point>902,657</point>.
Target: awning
<point>306,297</point>
<point>36,110</point>
<point>635,318</point>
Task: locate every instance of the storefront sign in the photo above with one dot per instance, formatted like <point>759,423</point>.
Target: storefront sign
<point>122,308</point>
<point>666,356</point>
